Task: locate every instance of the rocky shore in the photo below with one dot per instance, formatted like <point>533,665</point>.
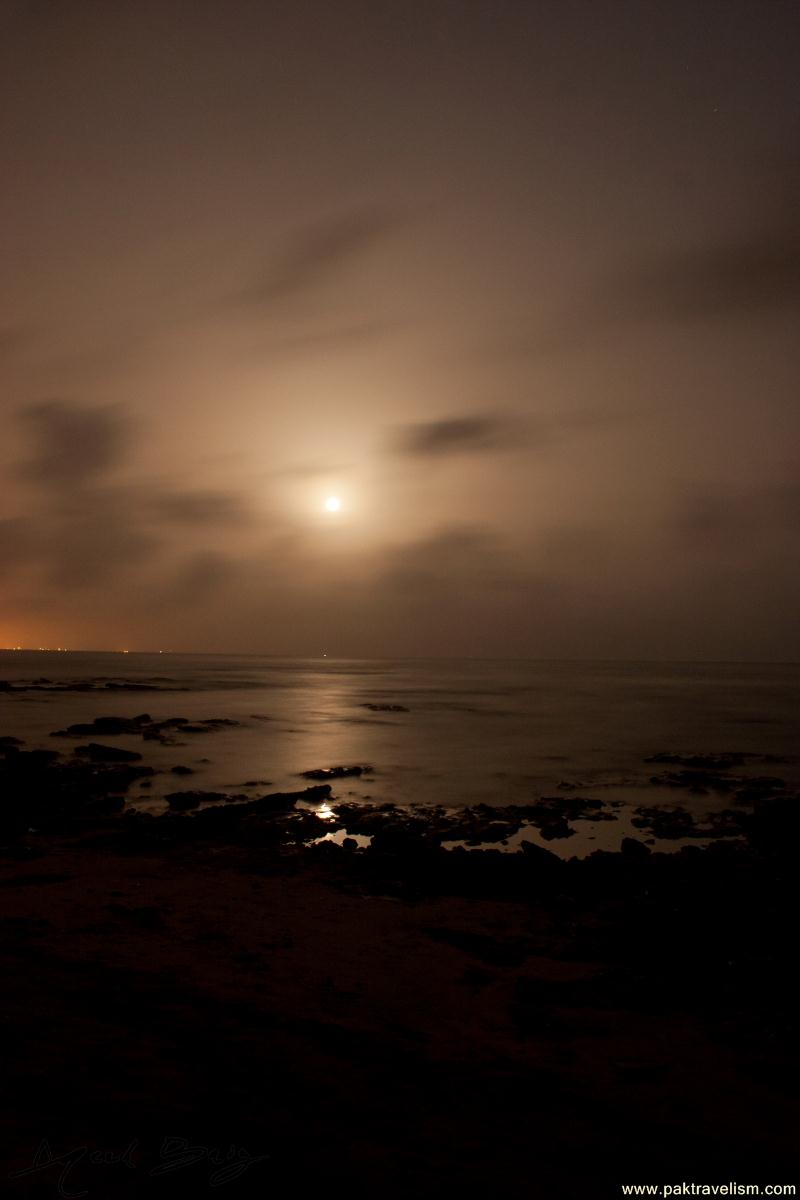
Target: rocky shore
<point>215,995</point>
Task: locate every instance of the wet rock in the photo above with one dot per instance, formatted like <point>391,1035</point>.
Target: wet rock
<point>704,762</point>
<point>283,801</point>
<point>666,823</point>
<point>727,823</point>
<point>43,792</point>
<point>184,801</point>
<point>335,772</point>
<point>227,811</point>
<point>35,758</point>
<point>207,725</point>
<point>556,828</point>
<point>100,754</point>
<point>385,707</point>
<point>751,791</point>
<point>633,848</point>
<point>10,744</point>
<point>110,726</point>
<point>179,770</point>
<point>700,782</point>
<point>145,727</point>
<point>129,686</point>
<point>119,777</point>
<point>747,788</point>
<point>539,857</point>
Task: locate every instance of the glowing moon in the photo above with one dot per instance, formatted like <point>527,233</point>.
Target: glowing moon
<point>333,504</point>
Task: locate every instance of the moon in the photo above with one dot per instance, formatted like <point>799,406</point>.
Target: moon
<point>333,504</point>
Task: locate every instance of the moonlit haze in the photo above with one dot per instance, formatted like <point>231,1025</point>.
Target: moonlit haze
<point>446,328</point>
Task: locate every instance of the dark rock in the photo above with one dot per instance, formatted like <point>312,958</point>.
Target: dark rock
<point>335,772</point>
<point>747,788</point>
<point>666,823</point>
<point>98,753</point>
<point>544,859</point>
<point>208,726</point>
<point>488,949</point>
<point>182,770</point>
<point>385,707</point>
<point>183,801</point>
<point>704,762</point>
<point>283,801</point>
<point>36,758</point>
<point>129,686</point>
<point>118,778</point>
<point>776,824</point>
<point>633,848</point>
<point>110,726</point>
<point>556,829</point>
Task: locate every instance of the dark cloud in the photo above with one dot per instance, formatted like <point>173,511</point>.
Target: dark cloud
<point>456,435</point>
<point>85,528</point>
<point>488,433</point>
<point>200,508</point>
<point>16,543</point>
<point>324,339</point>
<point>313,470</point>
<point>756,274</point>
<point>96,545</point>
<point>450,558</point>
<point>202,576</point>
<point>73,445</point>
<point>738,519</point>
<point>317,253</point>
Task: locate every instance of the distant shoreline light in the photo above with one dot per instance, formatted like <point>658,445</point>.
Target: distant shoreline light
<point>38,649</point>
<point>79,650</point>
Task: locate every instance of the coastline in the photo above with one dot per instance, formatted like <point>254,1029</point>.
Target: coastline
<point>399,1020</point>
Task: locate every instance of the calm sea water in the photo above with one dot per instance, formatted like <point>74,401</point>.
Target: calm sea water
<point>476,731</point>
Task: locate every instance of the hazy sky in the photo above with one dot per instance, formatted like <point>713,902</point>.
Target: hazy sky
<point>518,282</point>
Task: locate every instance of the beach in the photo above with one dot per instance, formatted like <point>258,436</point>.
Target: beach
<point>217,992</point>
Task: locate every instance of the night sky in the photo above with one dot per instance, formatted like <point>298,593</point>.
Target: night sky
<point>517,282</point>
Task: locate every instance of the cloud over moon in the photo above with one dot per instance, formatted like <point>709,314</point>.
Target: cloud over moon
<point>315,255</point>
<point>455,435</point>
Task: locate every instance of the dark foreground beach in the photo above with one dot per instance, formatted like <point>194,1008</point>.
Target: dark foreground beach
<point>209,999</point>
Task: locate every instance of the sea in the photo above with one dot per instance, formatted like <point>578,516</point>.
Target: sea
<point>431,731</point>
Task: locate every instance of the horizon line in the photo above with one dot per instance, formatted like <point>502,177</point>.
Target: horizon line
<point>397,658</point>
